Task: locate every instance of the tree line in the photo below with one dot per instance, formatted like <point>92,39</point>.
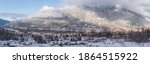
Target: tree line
<point>136,36</point>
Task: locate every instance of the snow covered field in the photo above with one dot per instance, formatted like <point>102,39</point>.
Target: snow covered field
<point>65,43</point>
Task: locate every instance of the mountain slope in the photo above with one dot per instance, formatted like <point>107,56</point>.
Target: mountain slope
<point>112,18</point>
<point>3,22</point>
<point>114,13</point>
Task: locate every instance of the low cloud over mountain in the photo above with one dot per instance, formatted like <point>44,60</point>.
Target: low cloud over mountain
<point>138,6</point>
<point>12,16</point>
<point>120,15</point>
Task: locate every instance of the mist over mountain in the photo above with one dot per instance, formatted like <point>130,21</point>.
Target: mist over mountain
<point>138,6</point>
<point>90,14</point>
<point>12,16</point>
<point>80,23</point>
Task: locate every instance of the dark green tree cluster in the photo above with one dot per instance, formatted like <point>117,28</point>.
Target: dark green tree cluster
<point>136,36</point>
<point>140,36</point>
<point>7,35</point>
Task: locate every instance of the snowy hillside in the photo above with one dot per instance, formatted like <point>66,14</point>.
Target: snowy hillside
<point>115,18</point>
<point>49,38</point>
<point>98,25</point>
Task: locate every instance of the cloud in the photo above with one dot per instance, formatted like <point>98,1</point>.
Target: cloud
<point>46,8</point>
<point>46,11</point>
<point>138,6</point>
<point>12,16</point>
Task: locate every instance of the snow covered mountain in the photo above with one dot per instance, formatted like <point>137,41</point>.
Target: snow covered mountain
<point>72,25</point>
<point>114,18</point>
<point>90,23</point>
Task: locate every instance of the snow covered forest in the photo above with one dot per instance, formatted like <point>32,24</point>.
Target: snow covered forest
<point>87,38</point>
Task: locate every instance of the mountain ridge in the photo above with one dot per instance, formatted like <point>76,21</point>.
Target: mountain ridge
<point>114,18</point>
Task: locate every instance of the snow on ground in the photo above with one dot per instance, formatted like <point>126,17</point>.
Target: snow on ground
<point>88,43</point>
